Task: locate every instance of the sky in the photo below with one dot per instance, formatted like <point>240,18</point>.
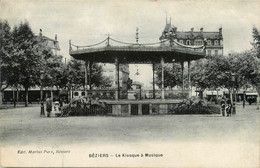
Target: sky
<point>88,21</point>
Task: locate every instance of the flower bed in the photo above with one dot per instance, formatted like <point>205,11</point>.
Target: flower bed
<point>195,106</point>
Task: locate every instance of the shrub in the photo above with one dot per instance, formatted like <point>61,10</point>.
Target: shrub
<point>194,106</point>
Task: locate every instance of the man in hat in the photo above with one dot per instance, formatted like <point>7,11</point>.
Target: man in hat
<point>228,108</point>
<point>223,106</point>
<point>48,106</point>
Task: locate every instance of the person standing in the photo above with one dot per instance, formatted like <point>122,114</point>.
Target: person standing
<point>223,106</point>
<point>228,108</point>
<point>48,106</point>
<point>14,103</point>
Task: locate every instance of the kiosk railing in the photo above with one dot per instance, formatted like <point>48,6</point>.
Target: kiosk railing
<point>139,94</point>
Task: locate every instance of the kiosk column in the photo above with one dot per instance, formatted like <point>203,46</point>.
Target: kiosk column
<point>189,83</point>
<point>162,64</point>
<point>182,74</point>
<point>86,76</point>
<point>117,95</point>
<point>153,83</point>
<point>90,74</point>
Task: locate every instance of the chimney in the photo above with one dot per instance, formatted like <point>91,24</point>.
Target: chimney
<point>220,30</point>
<point>40,32</point>
<point>201,30</point>
<point>56,38</point>
<point>175,30</point>
<point>192,29</point>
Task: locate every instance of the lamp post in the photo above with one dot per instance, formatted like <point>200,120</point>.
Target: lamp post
<point>42,103</point>
<point>233,79</point>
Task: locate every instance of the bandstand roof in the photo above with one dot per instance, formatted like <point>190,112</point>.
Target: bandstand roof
<point>136,53</point>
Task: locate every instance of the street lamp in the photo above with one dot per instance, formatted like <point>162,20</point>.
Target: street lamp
<point>233,79</point>
<point>42,103</point>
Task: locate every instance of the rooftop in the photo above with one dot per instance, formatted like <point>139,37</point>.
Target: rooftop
<point>171,31</point>
<point>136,53</point>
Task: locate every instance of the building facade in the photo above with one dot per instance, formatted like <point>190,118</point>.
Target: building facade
<point>109,70</point>
<point>10,94</point>
<point>196,38</point>
<point>49,43</point>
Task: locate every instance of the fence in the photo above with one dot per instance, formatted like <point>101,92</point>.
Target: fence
<point>91,110</point>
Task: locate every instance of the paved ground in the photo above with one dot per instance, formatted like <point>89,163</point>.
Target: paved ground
<point>26,125</point>
<point>18,105</point>
<point>203,140</point>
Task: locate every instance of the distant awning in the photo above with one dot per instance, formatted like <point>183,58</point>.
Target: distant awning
<point>63,92</point>
<point>251,94</point>
<point>211,93</point>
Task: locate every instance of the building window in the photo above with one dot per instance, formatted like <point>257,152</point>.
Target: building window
<point>198,42</point>
<point>188,42</point>
<point>181,41</point>
<point>216,52</point>
<point>216,42</point>
<point>209,42</point>
<point>76,94</point>
<point>209,52</point>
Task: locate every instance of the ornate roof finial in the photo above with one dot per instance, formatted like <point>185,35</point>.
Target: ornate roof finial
<point>40,32</point>
<point>137,35</point>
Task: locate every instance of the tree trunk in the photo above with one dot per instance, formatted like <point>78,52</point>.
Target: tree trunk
<point>235,95</point>
<point>1,100</point>
<point>26,96</point>
<point>69,94</point>
<point>230,94</point>
<point>201,93</point>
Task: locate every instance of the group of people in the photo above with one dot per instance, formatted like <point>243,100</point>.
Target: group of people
<point>226,107</point>
<point>57,105</point>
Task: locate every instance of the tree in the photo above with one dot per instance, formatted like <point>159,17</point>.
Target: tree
<point>53,70</point>
<point>200,75</point>
<point>21,57</point>
<point>210,73</point>
<point>172,75</point>
<point>256,43</point>
<point>254,76</point>
<point>216,71</point>
<point>25,58</point>
<point>75,75</point>
<point>5,55</point>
